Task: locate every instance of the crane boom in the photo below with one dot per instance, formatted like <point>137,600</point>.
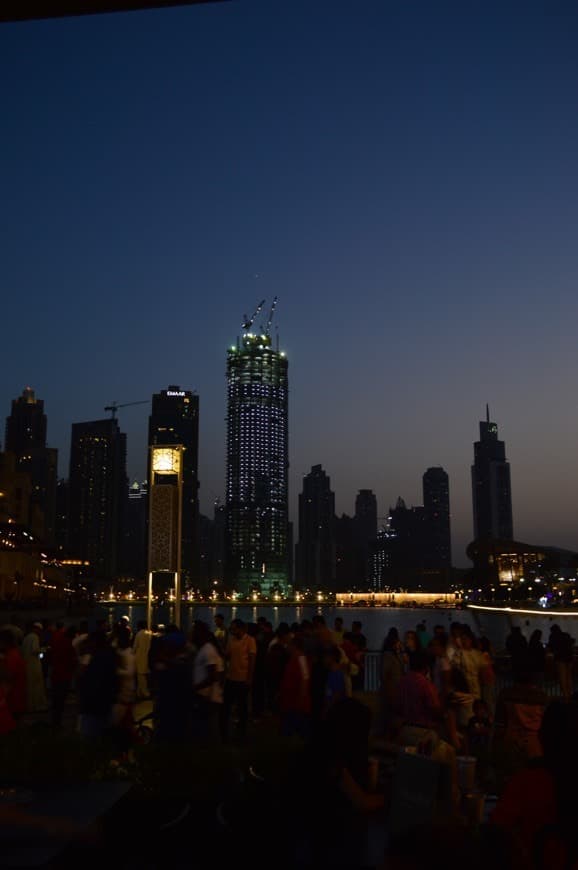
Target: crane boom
<point>271,313</point>
<point>114,406</point>
<point>248,321</point>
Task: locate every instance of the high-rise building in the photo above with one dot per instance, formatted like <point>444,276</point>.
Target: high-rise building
<point>174,421</point>
<point>491,488</point>
<point>62,514</point>
<point>257,464</point>
<point>26,439</point>
<point>349,573</point>
<point>382,556</point>
<point>15,491</point>
<point>219,541</point>
<point>97,490</point>
<point>134,531</point>
<point>316,550</point>
<point>436,502</point>
<point>366,528</point>
<point>407,542</point>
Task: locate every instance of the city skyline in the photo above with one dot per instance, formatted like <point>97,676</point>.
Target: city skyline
<point>403,178</point>
<point>175,419</point>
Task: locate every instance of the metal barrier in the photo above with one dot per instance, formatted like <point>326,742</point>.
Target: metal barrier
<point>372,673</point>
<point>504,678</point>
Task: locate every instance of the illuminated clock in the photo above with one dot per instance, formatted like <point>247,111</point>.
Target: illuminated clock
<point>166,460</point>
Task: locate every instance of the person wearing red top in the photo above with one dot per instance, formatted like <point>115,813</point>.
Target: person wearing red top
<point>295,694</point>
<point>64,662</point>
<point>7,722</point>
<point>14,668</point>
<point>418,701</point>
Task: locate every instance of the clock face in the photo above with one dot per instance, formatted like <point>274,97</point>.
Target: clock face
<point>166,460</point>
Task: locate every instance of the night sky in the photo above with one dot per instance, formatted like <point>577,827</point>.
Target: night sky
<point>403,175</point>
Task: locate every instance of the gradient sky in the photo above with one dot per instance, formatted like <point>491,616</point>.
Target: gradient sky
<point>403,175</point>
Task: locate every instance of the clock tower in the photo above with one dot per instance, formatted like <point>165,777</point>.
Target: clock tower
<point>165,520</point>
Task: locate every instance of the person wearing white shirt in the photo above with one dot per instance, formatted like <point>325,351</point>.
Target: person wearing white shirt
<point>141,648</point>
<point>208,675</point>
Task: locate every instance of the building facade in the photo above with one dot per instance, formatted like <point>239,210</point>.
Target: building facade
<point>316,550</point>
<point>26,439</point>
<point>366,528</point>
<point>491,487</point>
<point>436,502</point>
<point>174,421</point>
<point>381,558</point>
<point>257,466</point>
<point>134,555</point>
<point>97,491</point>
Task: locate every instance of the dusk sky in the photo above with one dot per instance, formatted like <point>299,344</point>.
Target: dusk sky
<point>403,175</point>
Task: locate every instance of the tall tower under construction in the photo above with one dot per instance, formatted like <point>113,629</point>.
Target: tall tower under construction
<point>257,462</point>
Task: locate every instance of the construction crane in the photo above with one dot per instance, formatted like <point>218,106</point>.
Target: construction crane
<point>248,321</point>
<point>271,313</point>
<point>114,406</point>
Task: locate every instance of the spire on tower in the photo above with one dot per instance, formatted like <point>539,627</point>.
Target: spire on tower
<point>487,413</point>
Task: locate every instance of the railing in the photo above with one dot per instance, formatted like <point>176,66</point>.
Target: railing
<point>504,678</point>
<point>372,675</point>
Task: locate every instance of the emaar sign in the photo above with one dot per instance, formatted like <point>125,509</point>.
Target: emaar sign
<point>175,392</point>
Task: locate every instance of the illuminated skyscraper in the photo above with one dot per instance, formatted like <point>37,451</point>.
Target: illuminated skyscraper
<point>257,463</point>
<point>491,488</point>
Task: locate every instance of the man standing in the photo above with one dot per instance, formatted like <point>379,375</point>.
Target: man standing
<point>240,654</point>
<point>338,631</point>
<point>359,641</point>
<point>207,683</point>
<point>141,648</point>
<point>221,634</point>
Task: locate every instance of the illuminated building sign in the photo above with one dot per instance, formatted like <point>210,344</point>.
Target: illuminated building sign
<point>175,392</point>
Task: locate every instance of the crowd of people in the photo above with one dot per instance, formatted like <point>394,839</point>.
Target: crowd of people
<point>206,683</point>
<point>442,689</point>
<point>437,698</point>
<point>438,695</point>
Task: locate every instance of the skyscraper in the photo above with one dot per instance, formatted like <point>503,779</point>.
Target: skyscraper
<point>26,439</point>
<point>407,537</point>
<point>174,421</point>
<point>316,550</point>
<point>491,488</point>
<point>97,491</point>
<point>257,463</point>
<point>349,572</point>
<point>436,502</point>
<point>134,553</point>
<point>366,528</point>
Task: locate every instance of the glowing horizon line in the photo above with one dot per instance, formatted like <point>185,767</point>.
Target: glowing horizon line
<point>531,612</point>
